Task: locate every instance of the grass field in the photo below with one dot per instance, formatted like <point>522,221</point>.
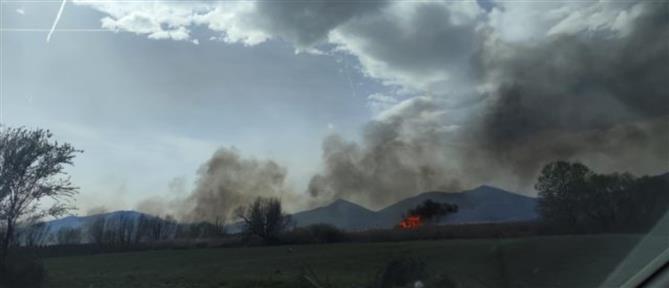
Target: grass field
<point>556,261</point>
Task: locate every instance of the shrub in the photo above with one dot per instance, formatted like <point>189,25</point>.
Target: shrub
<point>264,218</point>
<point>314,234</point>
<point>326,233</point>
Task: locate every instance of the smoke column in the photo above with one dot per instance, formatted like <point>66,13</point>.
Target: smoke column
<point>227,181</point>
<point>593,97</point>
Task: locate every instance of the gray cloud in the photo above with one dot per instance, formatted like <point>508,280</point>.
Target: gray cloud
<point>415,45</point>
<point>411,44</point>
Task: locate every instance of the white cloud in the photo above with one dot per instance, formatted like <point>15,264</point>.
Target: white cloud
<point>234,21</point>
<point>156,20</point>
<point>378,103</point>
<point>420,47</point>
<point>21,11</point>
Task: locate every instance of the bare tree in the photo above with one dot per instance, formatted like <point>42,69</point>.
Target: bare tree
<point>149,228</point>
<point>218,227</point>
<point>31,169</point>
<point>110,232</point>
<point>68,236</point>
<point>119,229</point>
<point>96,230</point>
<point>169,228</point>
<point>143,232</point>
<point>126,229</point>
<point>156,228</point>
<point>264,218</point>
<point>35,235</point>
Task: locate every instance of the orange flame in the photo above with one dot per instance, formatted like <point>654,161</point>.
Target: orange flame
<point>411,222</point>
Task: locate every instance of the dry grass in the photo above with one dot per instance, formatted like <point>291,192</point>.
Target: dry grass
<point>555,261</point>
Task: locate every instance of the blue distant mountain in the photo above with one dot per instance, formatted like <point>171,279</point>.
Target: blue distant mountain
<point>340,213</point>
<point>82,222</point>
<point>484,204</point>
<point>79,221</point>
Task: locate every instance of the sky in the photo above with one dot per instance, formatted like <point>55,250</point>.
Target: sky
<point>151,90</point>
<point>146,111</point>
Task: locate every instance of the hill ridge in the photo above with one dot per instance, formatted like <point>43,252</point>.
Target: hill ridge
<point>481,204</point>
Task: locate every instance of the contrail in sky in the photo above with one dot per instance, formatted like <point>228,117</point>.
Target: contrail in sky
<point>55,22</point>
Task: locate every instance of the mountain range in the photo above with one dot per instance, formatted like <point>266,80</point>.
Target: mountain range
<point>484,204</point>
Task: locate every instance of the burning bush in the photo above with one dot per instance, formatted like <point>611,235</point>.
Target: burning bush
<point>428,211</point>
<point>411,222</point>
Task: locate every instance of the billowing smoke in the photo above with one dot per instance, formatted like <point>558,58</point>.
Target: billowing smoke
<point>395,159</point>
<point>227,181</point>
<point>96,210</point>
<point>506,88</point>
<point>174,203</point>
<point>594,96</point>
<point>224,182</point>
<point>598,97</point>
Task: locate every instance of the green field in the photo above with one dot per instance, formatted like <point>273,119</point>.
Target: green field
<point>556,261</point>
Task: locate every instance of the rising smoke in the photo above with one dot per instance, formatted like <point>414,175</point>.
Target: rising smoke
<point>585,95</point>
<point>399,156</point>
<point>227,181</point>
<point>594,97</point>
<point>175,203</point>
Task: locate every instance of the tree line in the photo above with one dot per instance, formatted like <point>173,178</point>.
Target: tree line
<point>574,198</point>
<point>117,230</point>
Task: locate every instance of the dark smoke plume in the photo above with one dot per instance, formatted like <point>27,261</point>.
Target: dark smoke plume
<point>589,95</point>
<point>596,97</point>
<point>399,156</point>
